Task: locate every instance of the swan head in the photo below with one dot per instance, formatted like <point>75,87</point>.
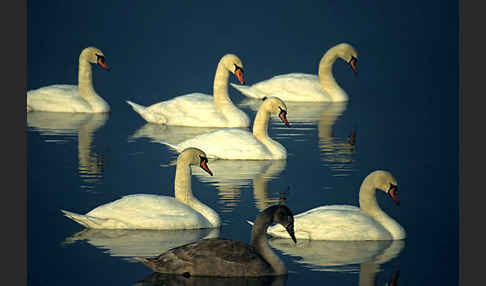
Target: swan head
<point>385,182</point>
<point>232,63</point>
<point>283,215</point>
<point>276,106</point>
<point>196,157</point>
<point>347,53</point>
<point>95,56</point>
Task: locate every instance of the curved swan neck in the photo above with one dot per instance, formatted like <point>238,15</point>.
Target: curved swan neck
<point>220,90</point>
<point>326,77</point>
<point>260,126</point>
<point>368,204</point>
<point>260,242</point>
<point>183,193</point>
<point>85,78</point>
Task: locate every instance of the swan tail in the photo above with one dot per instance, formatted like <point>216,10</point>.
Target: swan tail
<point>85,220</point>
<point>247,90</point>
<point>146,114</point>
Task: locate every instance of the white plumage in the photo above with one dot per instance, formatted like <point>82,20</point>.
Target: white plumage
<point>146,211</point>
<point>306,87</point>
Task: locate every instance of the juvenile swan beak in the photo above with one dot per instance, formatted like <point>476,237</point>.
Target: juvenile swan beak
<point>290,230</point>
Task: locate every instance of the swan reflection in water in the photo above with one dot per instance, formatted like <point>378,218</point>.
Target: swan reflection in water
<point>363,257</point>
<point>159,279</point>
<point>60,127</point>
<point>128,243</point>
<point>161,133</point>
<point>230,176</point>
<point>336,152</point>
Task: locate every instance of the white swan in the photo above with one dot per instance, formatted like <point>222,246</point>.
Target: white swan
<point>345,222</point>
<point>144,211</point>
<point>72,98</point>
<point>201,110</point>
<point>307,87</point>
<point>237,144</point>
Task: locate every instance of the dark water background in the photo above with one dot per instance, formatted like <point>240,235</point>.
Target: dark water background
<point>403,105</point>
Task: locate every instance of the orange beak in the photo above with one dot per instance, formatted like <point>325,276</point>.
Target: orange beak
<point>393,194</point>
<point>283,117</point>
<point>101,62</point>
<point>204,166</point>
<point>352,63</point>
<point>239,75</point>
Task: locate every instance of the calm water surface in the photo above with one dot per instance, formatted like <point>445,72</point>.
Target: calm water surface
<point>403,107</point>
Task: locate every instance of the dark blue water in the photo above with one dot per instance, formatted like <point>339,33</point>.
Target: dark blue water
<point>403,105</point>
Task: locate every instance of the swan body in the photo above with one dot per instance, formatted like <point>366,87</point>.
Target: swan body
<point>198,109</point>
<point>146,211</point>
<point>345,222</point>
<point>72,98</point>
<point>225,257</point>
<point>306,87</point>
<point>237,144</point>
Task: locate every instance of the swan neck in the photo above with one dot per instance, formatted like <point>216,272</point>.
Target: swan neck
<point>220,86</point>
<point>260,126</point>
<point>182,183</point>
<point>326,78</point>
<point>260,242</point>
<point>183,193</point>
<point>369,205</point>
<point>85,77</point>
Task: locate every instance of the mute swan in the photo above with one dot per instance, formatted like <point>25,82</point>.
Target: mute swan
<point>307,87</point>
<point>201,110</point>
<point>144,211</point>
<point>240,144</point>
<point>225,257</point>
<point>72,98</point>
<point>345,222</point>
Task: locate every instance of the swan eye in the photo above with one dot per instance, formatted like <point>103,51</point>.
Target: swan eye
<point>100,58</point>
<point>238,68</point>
<point>203,159</point>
